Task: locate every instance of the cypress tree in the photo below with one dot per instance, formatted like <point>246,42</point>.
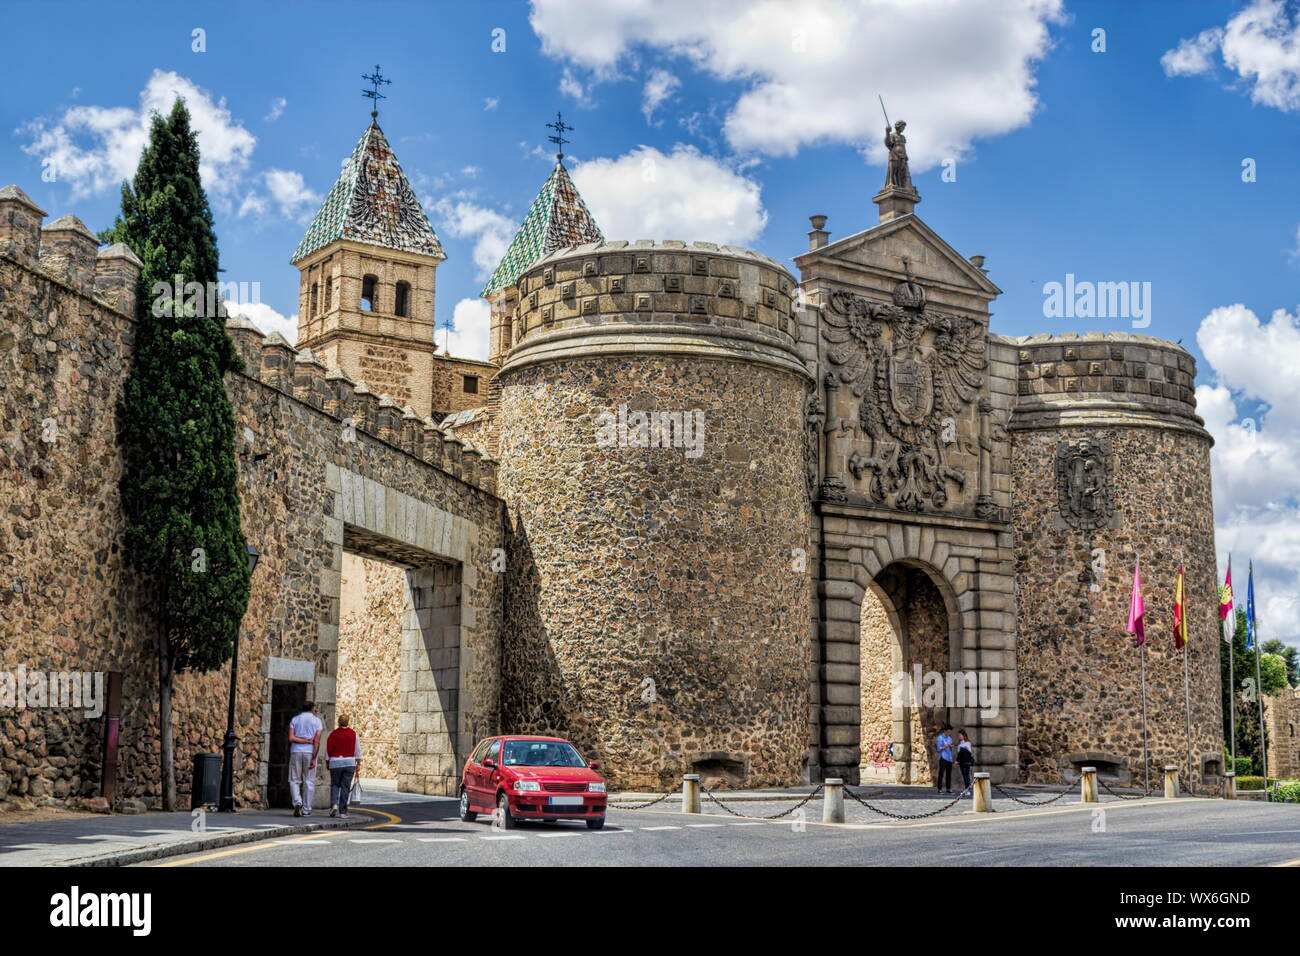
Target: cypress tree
<point>176,425</point>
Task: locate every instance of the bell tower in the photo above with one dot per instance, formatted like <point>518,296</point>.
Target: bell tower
<point>367,277</point>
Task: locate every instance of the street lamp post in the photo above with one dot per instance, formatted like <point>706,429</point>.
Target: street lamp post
<point>226,802</point>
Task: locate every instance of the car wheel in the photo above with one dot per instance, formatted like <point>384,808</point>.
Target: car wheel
<point>466,814</point>
<point>503,813</point>
<point>596,824</point>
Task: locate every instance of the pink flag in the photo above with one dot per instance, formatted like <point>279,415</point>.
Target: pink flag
<point>1136,608</point>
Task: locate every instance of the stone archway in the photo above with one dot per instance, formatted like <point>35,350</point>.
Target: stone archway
<point>909,631</point>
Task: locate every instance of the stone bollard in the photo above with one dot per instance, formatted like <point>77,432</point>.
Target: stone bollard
<point>1230,785</point>
<point>690,793</point>
<point>981,795</point>
<point>1171,782</point>
<point>833,801</point>
<point>1088,784</point>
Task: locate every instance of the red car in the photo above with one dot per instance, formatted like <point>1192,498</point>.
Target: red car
<point>531,778</point>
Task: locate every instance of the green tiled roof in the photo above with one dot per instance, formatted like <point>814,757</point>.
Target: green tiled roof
<point>372,202</point>
<point>558,218</point>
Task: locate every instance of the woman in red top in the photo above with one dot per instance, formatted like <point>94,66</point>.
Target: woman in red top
<point>344,749</point>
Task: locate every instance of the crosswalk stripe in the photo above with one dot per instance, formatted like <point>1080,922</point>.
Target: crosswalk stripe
<point>442,839</point>
<point>661,828</point>
<point>502,837</point>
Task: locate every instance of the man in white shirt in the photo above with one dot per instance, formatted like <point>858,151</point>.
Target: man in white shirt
<point>304,740</point>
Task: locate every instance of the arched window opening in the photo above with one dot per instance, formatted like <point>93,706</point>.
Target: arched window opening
<point>311,307</point>
<point>329,293</point>
<point>401,302</point>
<point>369,285</point>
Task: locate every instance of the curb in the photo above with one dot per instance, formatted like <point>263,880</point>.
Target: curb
<point>180,847</point>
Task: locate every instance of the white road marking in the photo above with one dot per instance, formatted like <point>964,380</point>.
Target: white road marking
<point>701,826</point>
<point>502,837</point>
<point>303,842</point>
<point>750,823</point>
<point>551,836</point>
<point>374,841</point>
<point>441,839</point>
<point>660,828</point>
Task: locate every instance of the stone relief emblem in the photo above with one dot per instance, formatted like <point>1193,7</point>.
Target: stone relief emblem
<point>1083,484</point>
<point>915,370</point>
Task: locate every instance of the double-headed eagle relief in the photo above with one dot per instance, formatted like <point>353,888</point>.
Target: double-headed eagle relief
<point>916,372</point>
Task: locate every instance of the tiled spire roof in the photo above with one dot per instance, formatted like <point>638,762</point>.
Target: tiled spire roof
<point>558,218</point>
<point>372,202</point>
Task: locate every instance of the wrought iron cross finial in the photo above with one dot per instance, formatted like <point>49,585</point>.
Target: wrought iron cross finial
<point>558,139</point>
<point>376,80</point>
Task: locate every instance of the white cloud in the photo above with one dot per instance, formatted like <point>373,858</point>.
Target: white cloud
<point>470,323</point>
<point>287,190</point>
<point>489,230</point>
<point>811,69</point>
<point>94,148</point>
<point>277,109</point>
<point>659,86</point>
<point>645,194</point>
<point>570,85</point>
<point>1256,457</point>
<point>491,103</point>
<point>1261,44</point>
<point>266,318</point>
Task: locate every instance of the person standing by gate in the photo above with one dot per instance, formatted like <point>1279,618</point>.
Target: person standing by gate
<point>304,741</point>
<point>943,744</point>
<point>344,749</point>
<point>965,760</point>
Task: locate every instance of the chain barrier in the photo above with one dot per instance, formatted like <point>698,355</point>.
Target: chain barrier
<point>774,816</point>
<point>1139,796</point>
<point>1029,803</point>
<point>641,806</point>
<point>902,816</point>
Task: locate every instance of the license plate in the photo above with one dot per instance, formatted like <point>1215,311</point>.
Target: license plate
<point>565,801</point>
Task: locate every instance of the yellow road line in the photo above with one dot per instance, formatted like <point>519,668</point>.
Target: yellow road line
<point>266,845</point>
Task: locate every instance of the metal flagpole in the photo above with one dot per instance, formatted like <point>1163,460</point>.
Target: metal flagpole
<point>1259,684</point>
<point>1230,623</point>
<point>1146,759</point>
<point>1187,693</point>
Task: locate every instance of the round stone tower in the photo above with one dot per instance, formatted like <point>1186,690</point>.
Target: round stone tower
<point>652,450</point>
<point>1110,463</point>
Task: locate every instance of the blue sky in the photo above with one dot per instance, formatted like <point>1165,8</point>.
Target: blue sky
<point>1117,165</point>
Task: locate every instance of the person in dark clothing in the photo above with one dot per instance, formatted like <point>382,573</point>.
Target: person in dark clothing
<point>965,759</point>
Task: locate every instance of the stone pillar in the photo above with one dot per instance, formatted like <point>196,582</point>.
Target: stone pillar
<point>1171,782</point>
<point>1088,784</point>
<point>1230,785</point>
<point>20,226</point>
<point>68,251</point>
<point>981,795</point>
<point>117,277</point>
<point>690,793</point>
<point>833,801</point>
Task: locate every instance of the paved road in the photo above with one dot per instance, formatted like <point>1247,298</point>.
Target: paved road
<point>424,831</point>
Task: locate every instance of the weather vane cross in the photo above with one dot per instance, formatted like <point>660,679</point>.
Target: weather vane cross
<point>558,139</point>
<point>376,80</point>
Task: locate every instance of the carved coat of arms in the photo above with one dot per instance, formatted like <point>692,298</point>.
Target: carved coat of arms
<point>1083,484</point>
<point>913,368</point>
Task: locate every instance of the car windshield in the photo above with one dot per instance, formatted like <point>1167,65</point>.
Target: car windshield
<point>541,753</point>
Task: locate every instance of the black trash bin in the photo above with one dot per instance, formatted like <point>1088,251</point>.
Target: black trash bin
<point>206,788</point>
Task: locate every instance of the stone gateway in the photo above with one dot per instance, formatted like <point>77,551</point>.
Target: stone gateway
<point>697,511</point>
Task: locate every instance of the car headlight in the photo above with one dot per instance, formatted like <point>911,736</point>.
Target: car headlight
<point>595,788</point>
<point>527,785</point>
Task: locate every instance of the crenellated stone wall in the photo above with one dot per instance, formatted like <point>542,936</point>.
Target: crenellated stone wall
<point>323,468</point>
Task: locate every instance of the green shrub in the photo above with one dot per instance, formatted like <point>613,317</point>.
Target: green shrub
<point>1288,791</point>
<point>1244,766</point>
<point>1250,783</point>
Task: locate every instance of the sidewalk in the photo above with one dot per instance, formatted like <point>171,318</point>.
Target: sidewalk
<point>121,840</point>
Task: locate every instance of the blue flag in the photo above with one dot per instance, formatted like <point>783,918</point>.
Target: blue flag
<point>1250,608</point>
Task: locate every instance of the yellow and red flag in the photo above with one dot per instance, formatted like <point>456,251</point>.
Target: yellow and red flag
<point>1225,595</point>
<point>1180,615</point>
